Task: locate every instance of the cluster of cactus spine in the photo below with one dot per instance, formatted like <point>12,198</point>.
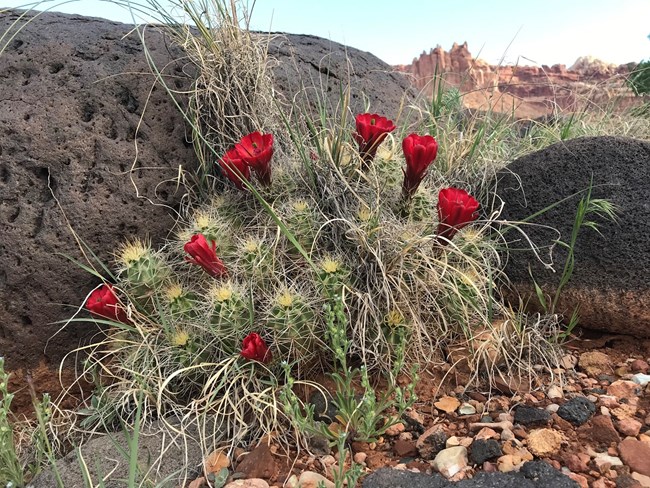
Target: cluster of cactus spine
<point>143,270</point>
<point>292,321</point>
<point>231,318</point>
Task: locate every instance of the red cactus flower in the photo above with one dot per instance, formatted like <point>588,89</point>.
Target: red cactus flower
<point>103,303</point>
<point>233,166</point>
<point>204,255</point>
<point>255,349</point>
<point>256,150</point>
<point>372,129</point>
<point>420,152</point>
<point>456,209</point>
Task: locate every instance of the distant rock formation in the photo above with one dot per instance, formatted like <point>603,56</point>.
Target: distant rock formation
<point>535,90</point>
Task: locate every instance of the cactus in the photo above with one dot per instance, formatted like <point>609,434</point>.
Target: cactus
<point>143,270</point>
<point>231,318</point>
<point>292,321</point>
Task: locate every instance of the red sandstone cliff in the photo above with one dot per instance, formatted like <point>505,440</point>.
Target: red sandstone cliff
<point>531,90</point>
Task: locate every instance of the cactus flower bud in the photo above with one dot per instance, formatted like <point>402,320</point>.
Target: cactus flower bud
<point>255,349</point>
<point>456,209</point>
<point>204,255</point>
<point>103,303</point>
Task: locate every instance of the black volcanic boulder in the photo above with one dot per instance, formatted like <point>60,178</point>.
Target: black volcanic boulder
<point>610,282</point>
<point>73,91</point>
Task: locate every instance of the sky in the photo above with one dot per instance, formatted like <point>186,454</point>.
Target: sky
<point>524,32</point>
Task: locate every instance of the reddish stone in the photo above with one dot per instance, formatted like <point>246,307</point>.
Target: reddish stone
<point>259,463</point>
<point>600,431</point>
<point>403,448</point>
<point>578,463</point>
<point>639,366</point>
<point>581,480</point>
<point>636,455</point>
<point>629,426</point>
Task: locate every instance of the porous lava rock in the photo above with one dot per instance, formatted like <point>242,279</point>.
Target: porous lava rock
<point>74,91</point>
<point>609,285</point>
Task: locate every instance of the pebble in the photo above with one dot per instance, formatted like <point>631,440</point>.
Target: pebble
<point>395,430</point>
<point>486,433</point>
<point>531,416</point>
<point>604,462</point>
<point>577,410</point>
<point>578,478</point>
<point>309,479</point>
<point>639,366</point>
<point>507,434</point>
<point>636,455</point>
<point>467,409</point>
<point>431,442</point>
<point>249,483</point>
<point>452,441</point>
<point>629,427</point>
<point>641,379</point>
<point>555,392</point>
<point>450,461</point>
<point>360,458</point>
<point>643,480</point>
<point>595,363</point>
<point>568,361</point>
<point>553,407</point>
<point>544,442</point>
<point>447,404</point>
<point>483,450</point>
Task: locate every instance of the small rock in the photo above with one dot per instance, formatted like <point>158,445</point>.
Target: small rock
<point>629,426</point>
<point>625,389</point>
<point>248,483</point>
<point>259,463</point>
<point>604,462</point>
<point>578,478</point>
<point>467,409</point>
<point>324,408</point>
<point>636,455</point>
<point>595,363</point>
<point>292,482</point>
<point>328,461</point>
<point>544,442</point>
<point>531,416</point>
<point>568,361</point>
<point>577,410</point>
<point>452,441</point>
<point>395,430</point>
<point>309,479</point>
<point>601,431</point>
<point>216,461</point>
<point>447,404</point>
<point>450,461</point>
<point>578,463</point>
<point>431,442</point>
<point>641,379</point>
<point>465,441</point>
<point>555,392</point>
<point>404,449</point>
<point>483,450</point>
<point>507,434</point>
<point>486,433</point>
<point>642,479</point>
<point>508,463</point>
<point>360,458</point>
<point>515,448</point>
<point>639,366</point>
<point>552,407</point>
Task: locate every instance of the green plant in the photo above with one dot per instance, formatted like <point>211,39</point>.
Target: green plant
<point>11,467</point>
<point>639,78</point>
<point>588,207</point>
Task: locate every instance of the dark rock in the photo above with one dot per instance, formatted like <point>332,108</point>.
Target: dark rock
<point>531,416</point>
<point>74,92</point>
<point>577,410</point>
<point>73,99</point>
<point>173,458</point>
<point>431,442</point>
<point>324,408</point>
<point>609,283</point>
<point>483,450</point>
<point>533,474</point>
<point>308,61</point>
